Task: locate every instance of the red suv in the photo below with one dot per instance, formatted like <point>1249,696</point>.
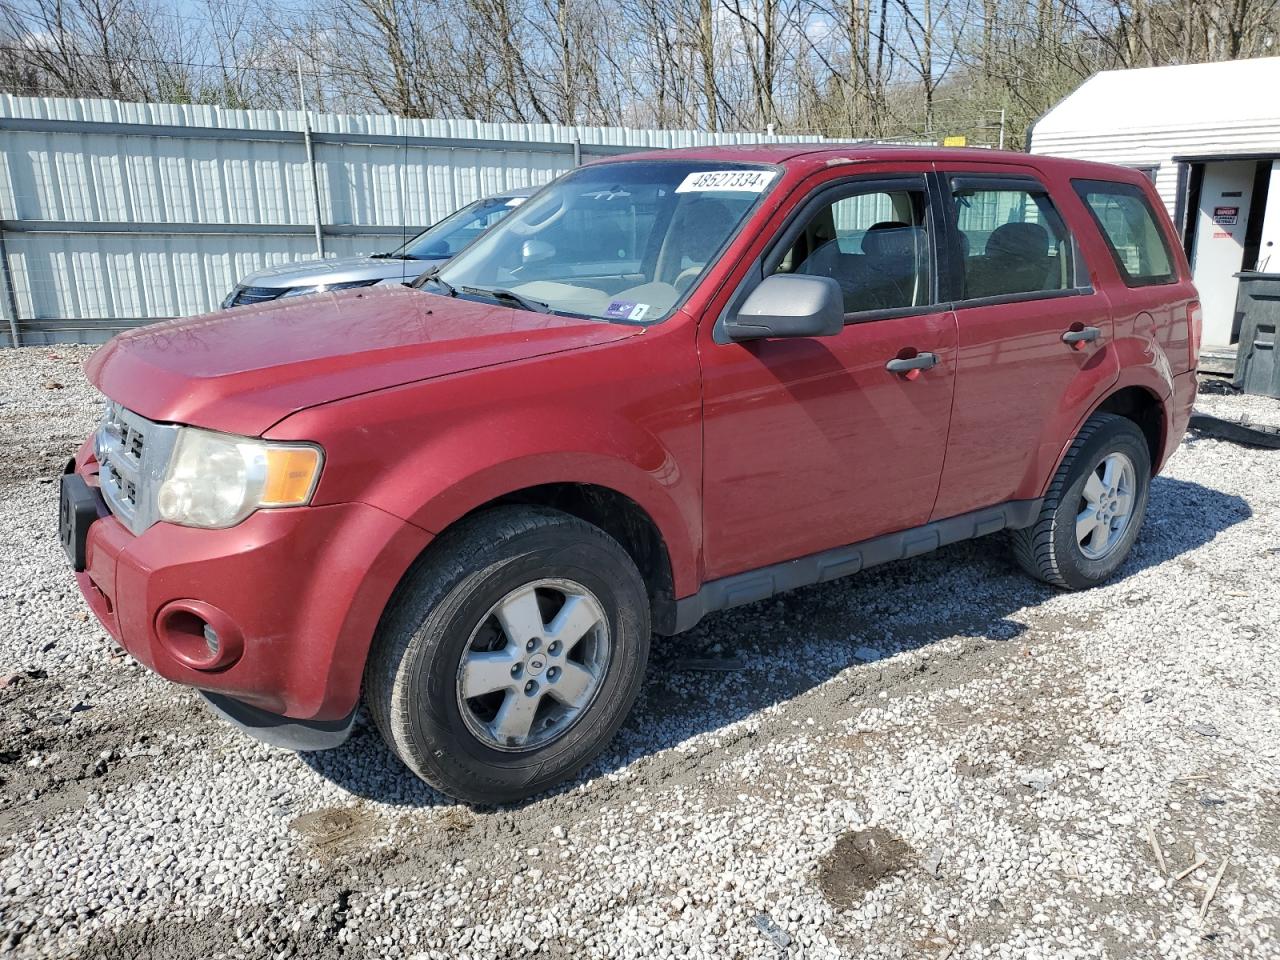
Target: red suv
<point>666,385</point>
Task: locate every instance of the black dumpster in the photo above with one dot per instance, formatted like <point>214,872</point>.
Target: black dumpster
<point>1257,315</point>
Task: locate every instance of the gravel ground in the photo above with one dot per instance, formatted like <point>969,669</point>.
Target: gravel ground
<point>936,759</point>
<point>1262,411</point>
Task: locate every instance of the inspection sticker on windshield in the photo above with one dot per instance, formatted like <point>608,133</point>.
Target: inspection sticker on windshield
<point>627,310</point>
<point>745,181</point>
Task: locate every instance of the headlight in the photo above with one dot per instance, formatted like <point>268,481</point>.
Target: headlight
<point>326,288</point>
<point>216,480</point>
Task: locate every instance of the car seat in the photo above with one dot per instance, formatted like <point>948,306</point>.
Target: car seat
<point>696,232</point>
<point>1016,260</point>
<point>890,265</point>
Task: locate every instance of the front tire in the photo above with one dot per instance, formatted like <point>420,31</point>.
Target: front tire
<point>510,654</point>
<point>1093,509</point>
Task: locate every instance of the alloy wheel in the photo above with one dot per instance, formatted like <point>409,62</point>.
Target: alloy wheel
<point>533,665</point>
<point>1106,506</point>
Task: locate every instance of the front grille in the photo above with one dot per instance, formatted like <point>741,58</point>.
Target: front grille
<point>133,454</point>
<point>247,295</point>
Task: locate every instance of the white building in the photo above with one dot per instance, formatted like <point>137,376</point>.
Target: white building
<point>1208,135</point>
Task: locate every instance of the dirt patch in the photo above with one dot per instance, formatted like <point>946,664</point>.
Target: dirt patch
<point>336,831</point>
<point>858,862</point>
<point>247,932</point>
<point>965,767</point>
<point>60,743</point>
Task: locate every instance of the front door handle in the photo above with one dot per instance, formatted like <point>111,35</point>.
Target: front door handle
<point>907,365</point>
<point>1076,339</point>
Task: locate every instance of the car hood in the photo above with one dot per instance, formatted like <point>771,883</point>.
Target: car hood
<point>242,370</point>
<point>310,273</point>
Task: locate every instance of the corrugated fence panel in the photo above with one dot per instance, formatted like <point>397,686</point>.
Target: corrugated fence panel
<point>113,214</point>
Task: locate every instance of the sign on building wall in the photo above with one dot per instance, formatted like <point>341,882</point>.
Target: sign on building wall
<point>1226,216</point>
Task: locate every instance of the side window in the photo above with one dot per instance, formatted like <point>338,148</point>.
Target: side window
<point>1012,241</point>
<point>874,244</point>
<point>1129,226</point>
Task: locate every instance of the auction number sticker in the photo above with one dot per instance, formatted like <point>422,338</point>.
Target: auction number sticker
<point>744,181</point>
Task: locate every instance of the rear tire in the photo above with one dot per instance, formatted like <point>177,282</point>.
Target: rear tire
<point>510,654</point>
<point>1093,509</point>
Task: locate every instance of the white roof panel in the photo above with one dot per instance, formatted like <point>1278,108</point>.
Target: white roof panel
<point>1196,96</point>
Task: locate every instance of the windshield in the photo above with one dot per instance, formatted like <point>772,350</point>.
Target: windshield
<point>458,230</point>
<point>619,241</point>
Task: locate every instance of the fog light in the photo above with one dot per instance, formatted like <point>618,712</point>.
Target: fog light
<point>199,635</point>
<point>211,640</point>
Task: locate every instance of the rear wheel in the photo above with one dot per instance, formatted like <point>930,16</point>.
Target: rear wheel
<point>510,655</point>
<point>1093,509</point>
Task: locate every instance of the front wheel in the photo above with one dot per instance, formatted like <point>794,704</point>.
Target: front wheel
<point>1093,509</point>
<point>510,655</point>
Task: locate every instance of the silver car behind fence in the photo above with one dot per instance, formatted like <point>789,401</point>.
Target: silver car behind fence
<point>430,248</point>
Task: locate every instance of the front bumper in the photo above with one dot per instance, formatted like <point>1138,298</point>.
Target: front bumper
<point>294,595</point>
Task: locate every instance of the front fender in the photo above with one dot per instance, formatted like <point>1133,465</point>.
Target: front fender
<point>467,468</point>
<point>624,416</point>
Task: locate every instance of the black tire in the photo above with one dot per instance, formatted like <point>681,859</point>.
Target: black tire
<point>1048,550</point>
<point>411,679</point>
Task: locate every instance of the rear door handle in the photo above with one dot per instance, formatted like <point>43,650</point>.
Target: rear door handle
<point>921,361</point>
<point>1078,338</point>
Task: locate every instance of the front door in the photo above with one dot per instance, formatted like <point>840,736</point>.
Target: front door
<point>811,443</point>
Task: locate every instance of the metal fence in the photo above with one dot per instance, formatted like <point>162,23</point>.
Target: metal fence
<point>115,214</point>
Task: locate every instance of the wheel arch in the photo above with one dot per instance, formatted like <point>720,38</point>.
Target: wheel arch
<point>1134,401</point>
<point>1144,408</point>
<point>623,519</point>
<point>616,513</point>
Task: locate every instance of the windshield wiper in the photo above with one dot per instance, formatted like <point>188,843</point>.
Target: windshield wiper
<point>387,256</point>
<point>510,296</point>
<point>433,276</point>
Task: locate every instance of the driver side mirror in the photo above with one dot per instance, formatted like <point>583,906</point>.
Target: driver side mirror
<point>789,305</point>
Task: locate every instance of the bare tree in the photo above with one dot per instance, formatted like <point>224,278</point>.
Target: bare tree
<point>907,69</point>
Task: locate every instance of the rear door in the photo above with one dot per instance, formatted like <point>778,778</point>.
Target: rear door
<point>1034,334</point>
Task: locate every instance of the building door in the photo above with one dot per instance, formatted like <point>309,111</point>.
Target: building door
<point>1269,232</point>
<point>1218,252</point>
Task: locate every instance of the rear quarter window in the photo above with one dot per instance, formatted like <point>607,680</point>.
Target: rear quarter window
<point>1131,230</point>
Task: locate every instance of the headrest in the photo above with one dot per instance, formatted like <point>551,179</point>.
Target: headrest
<point>700,227</point>
<point>890,238</point>
<point>1019,241</point>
